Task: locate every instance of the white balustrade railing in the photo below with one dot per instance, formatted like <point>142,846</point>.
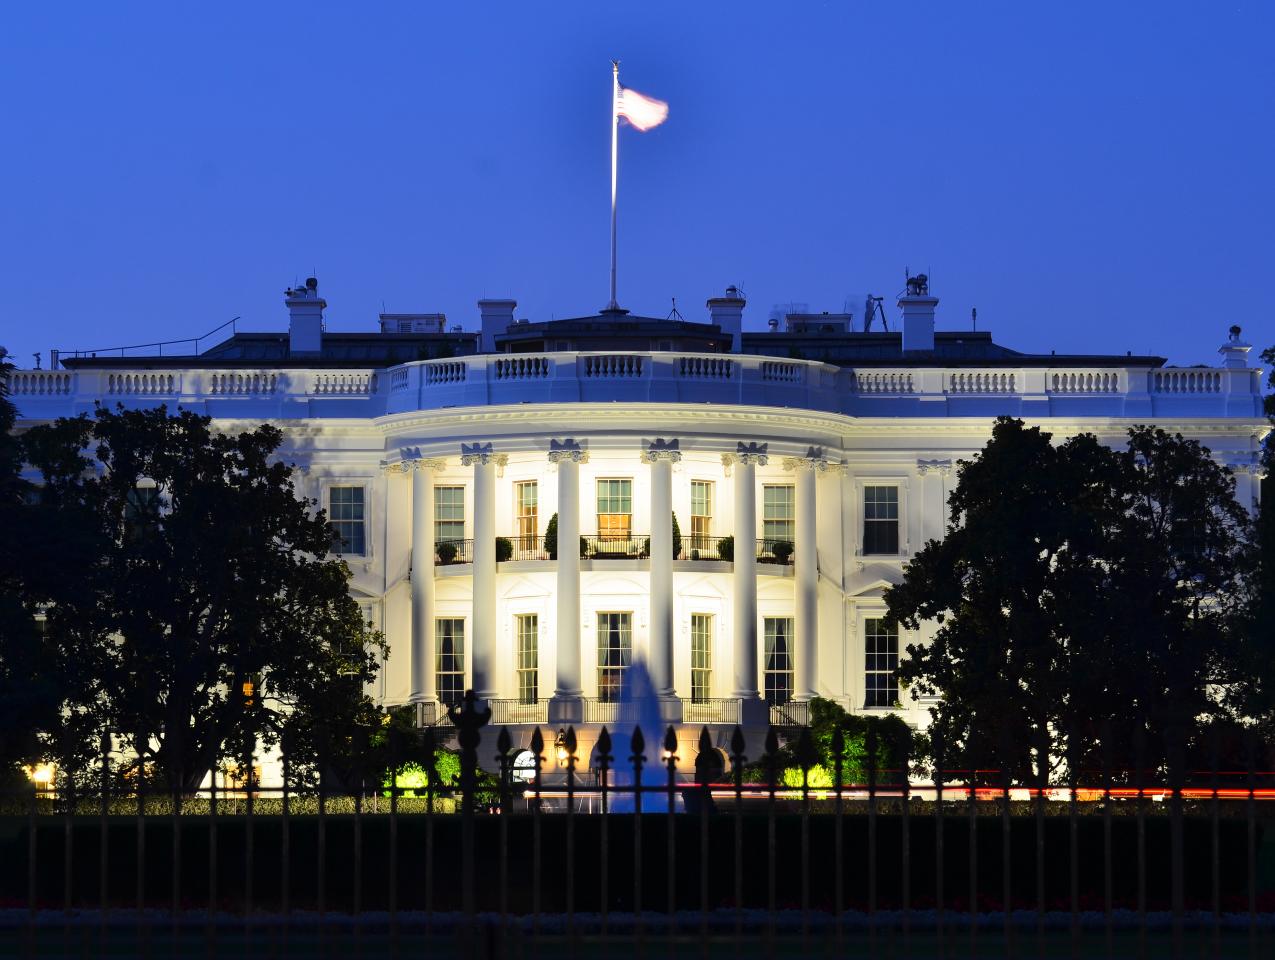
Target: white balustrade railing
<point>1083,381</point>
<point>446,371</point>
<point>705,368</point>
<point>141,384</point>
<point>522,368</point>
<point>782,372</point>
<point>1187,380</point>
<point>613,366</point>
<point>890,382</point>
<point>41,383</point>
<point>980,381</point>
<point>344,383</point>
<point>250,383</point>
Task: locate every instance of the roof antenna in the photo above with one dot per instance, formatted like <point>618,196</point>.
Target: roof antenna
<point>974,318</point>
<point>674,314</point>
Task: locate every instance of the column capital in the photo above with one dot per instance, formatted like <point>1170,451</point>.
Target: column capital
<point>814,460</point>
<point>573,450</point>
<point>410,460</point>
<point>942,467</point>
<point>660,449</point>
<point>480,453</point>
<point>753,453</point>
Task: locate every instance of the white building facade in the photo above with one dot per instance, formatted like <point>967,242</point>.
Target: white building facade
<point>799,488</point>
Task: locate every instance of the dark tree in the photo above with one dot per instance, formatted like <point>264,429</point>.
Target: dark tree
<point>210,609</point>
<point>1080,593</point>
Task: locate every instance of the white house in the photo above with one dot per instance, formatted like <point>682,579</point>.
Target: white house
<point>804,466</point>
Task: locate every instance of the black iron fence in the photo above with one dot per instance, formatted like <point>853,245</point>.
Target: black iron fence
<point>625,841</point>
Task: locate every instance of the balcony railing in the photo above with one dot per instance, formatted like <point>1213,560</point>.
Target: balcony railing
<point>699,547</point>
<point>613,547</point>
<point>774,551</point>
<point>447,552</point>
<point>530,547</point>
<point>794,713</point>
<point>711,710</point>
<point>609,711</point>
<point>518,711</point>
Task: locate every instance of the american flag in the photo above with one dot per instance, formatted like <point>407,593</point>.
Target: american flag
<point>641,111</point>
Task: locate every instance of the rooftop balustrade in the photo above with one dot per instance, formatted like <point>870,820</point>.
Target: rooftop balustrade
<point>656,377</point>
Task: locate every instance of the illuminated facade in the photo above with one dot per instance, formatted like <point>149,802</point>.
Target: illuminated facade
<point>541,503</point>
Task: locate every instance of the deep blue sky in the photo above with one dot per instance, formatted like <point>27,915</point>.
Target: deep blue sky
<point>1093,177</point>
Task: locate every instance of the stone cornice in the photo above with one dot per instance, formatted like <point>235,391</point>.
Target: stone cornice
<point>816,460</point>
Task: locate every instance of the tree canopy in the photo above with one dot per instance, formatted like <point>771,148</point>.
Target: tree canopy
<point>202,609</point>
<point>1085,600</point>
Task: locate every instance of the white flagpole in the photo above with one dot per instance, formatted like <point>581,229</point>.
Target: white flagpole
<point>615,143</point>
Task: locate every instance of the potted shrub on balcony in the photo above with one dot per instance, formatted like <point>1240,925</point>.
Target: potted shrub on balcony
<point>446,552</point>
<point>782,550</point>
<point>551,540</point>
<point>677,542</point>
<point>726,548</point>
<point>504,549</point>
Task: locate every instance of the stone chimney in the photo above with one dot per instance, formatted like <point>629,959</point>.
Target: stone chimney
<point>728,313</point>
<point>305,319</point>
<point>1235,351</point>
<point>497,317</point>
<point>918,315</point>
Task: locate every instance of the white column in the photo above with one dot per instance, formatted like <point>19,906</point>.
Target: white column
<point>483,620</point>
<point>422,655</point>
<point>567,705</point>
<point>744,619</point>
<point>661,455</point>
<point>806,559</point>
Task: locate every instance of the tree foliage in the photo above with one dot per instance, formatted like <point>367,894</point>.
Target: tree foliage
<point>205,610</point>
<point>1082,594</point>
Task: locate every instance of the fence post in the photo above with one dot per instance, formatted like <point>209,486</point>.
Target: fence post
<point>604,853</point>
<point>503,746</point>
<point>537,753</point>
<point>468,717</point>
<point>838,885</point>
<point>771,760</point>
<point>670,760</point>
<point>806,758</point>
<point>704,777</point>
<point>737,759</point>
<point>637,747</point>
<point>569,741</point>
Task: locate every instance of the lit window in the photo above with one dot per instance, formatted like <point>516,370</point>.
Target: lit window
<point>615,509</point>
<point>778,633</point>
<point>701,657</point>
<point>346,514</point>
<point>779,516</point>
<point>615,653</point>
<point>528,658</point>
<point>701,513</point>
<point>880,663</point>
<point>881,520</point>
<point>141,512</point>
<point>449,514</point>
<point>449,642</point>
<point>527,507</point>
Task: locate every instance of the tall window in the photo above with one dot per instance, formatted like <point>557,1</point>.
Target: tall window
<point>880,663</point>
<point>778,633</point>
<point>779,514</point>
<point>615,653</point>
<point>345,513</point>
<point>701,513</point>
<point>527,507</point>
<point>141,512</point>
<point>615,509</point>
<point>528,658</point>
<point>449,514</point>
<point>449,642</point>
<point>881,519</point>
<point>701,657</point>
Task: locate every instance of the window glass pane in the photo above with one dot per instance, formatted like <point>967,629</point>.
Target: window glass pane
<point>701,657</point>
<point>779,513</point>
<point>345,513</point>
<point>881,519</point>
<point>880,661</point>
<point>449,513</point>
<point>449,642</point>
<point>526,507</point>
<point>701,513</point>
<point>615,652</point>
<point>528,627</point>
<point>615,508</point>
<point>778,632</point>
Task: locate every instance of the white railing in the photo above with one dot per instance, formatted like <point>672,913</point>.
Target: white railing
<point>141,384</point>
<point>892,382</point>
<point>445,371</point>
<point>1189,380</point>
<point>781,372</point>
<point>344,384</point>
<point>41,383</point>
<point>614,366</point>
<point>705,368</point>
<point>1083,381</point>
<point>980,381</point>
<point>255,383</point>
<point>522,368</point>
